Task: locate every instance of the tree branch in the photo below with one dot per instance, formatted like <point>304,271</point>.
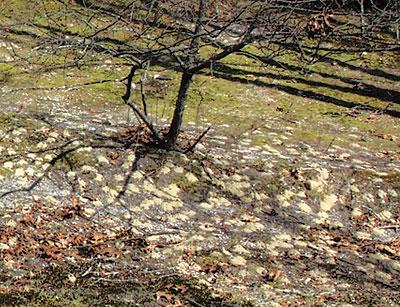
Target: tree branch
<point>197,140</point>
<point>142,116</point>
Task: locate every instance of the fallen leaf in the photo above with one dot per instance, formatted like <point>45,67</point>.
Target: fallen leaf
<point>238,261</point>
<point>272,275</point>
<point>71,278</point>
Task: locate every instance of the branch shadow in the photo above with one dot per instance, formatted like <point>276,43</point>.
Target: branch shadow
<point>294,68</point>
<point>231,74</point>
<point>304,93</point>
<point>358,88</point>
<point>346,266</point>
<point>371,71</point>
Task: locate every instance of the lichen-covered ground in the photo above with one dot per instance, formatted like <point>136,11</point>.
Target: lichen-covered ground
<point>291,199</point>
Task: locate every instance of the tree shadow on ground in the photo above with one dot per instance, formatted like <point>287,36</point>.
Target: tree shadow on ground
<point>308,70</point>
<point>364,89</point>
<point>304,93</point>
<point>115,288</point>
<point>371,71</point>
<point>326,59</point>
<point>133,289</point>
<point>229,73</point>
<point>344,265</point>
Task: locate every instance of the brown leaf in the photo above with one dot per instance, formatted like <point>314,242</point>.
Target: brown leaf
<point>28,219</point>
<point>52,252</point>
<point>294,254</point>
<point>167,299</point>
<point>164,298</point>
<point>114,155</point>
<point>76,209</point>
<point>74,201</point>
<point>98,238</point>
<point>182,288</point>
<point>110,252</point>
<point>212,268</point>
<point>272,275</point>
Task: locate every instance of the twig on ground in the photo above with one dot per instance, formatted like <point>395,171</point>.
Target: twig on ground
<point>193,302</point>
<point>87,272</point>
<point>371,211</point>
<point>145,120</point>
<point>389,227</point>
<point>97,280</point>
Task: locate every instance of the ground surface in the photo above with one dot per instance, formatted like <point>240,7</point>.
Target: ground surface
<point>291,199</point>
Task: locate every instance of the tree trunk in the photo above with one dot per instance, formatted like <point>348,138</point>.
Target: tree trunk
<point>180,104</point>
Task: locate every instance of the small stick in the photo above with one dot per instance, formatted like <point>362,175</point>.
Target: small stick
<point>198,140</point>
<point>87,272</point>
<point>389,227</point>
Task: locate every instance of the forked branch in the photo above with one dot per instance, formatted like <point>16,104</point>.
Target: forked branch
<point>143,116</point>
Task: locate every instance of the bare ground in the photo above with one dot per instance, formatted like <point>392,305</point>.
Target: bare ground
<point>90,217</point>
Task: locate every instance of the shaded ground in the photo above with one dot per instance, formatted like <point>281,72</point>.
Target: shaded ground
<point>280,222</point>
<point>292,199</point>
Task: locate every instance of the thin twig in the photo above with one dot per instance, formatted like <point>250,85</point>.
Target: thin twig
<point>198,140</point>
<point>87,272</point>
<point>330,144</point>
<point>389,227</point>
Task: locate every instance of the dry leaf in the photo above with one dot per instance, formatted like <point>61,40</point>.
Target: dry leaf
<point>272,275</point>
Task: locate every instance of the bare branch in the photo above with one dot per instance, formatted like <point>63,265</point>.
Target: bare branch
<point>197,141</point>
<point>142,116</point>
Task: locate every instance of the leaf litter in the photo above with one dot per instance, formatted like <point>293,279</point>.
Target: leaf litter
<point>102,209</point>
<point>87,206</point>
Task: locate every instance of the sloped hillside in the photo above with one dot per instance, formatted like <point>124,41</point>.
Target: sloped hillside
<point>292,198</point>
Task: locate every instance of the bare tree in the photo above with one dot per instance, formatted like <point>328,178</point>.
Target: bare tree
<point>175,33</point>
